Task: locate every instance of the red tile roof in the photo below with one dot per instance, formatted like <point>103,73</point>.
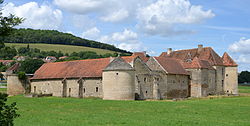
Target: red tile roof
<point>171,65</point>
<point>14,67</point>
<point>197,63</point>
<point>4,62</point>
<point>75,69</point>
<point>142,55</point>
<point>228,61</point>
<point>72,69</point>
<point>207,54</point>
<point>129,59</point>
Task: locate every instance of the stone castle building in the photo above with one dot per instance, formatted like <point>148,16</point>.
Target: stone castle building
<point>174,74</point>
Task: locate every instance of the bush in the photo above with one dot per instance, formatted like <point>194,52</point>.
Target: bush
<point>22,75</point>
<point>7,112</point>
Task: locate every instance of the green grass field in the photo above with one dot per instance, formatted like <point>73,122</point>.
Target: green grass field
<point>52,111</point>
<point>244,89</point>
<point>63,48</point>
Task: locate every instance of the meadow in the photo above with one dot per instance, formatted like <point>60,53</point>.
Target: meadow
<point>56,47</point>
<point>214,111</point>
<point>244,89</point>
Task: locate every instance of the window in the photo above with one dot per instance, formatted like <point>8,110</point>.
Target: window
<point>83,90</point>
<point>69,92</point>
<point>146,92</point>
<point>222,83</point>
<point>34,89</point>
<point>116,73</point>
<point>145,79</point>
<point>96,89</point>
<point>226,74</point>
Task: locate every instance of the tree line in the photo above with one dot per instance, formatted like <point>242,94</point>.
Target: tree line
<point>54,37</point>
<point>244,77</point>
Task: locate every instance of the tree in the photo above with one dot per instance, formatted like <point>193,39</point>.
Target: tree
<point>7,23</point>
<point>244,77</point>
<point>7,52</point>
<point>30,65</point>
<point>7,112</point>
<point>2,45</point>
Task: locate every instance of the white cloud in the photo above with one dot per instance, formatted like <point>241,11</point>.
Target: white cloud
<point>82,22</point>
<point>242,46</point>
<point>241,51</point>
<point>162,17</point>
<point>243,58</point>
<point>126,35</point>
<point>92,33</point>
<point>106,10</point>
<point>81,6</point>
<point>38,17</point>
<point>127,40</point>
<point>116,16</point>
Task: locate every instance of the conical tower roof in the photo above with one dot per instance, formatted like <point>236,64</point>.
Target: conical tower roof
<point>119,64</point>
<point>228,61</point>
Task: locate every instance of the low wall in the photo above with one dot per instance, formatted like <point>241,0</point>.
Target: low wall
<point>15,86</point>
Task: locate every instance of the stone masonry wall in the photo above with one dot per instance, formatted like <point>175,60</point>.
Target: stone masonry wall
<point>220,73</point>
<point>14,85</point>
<point>119,85</point>
<point>91,87</point>
<point>231,80</point>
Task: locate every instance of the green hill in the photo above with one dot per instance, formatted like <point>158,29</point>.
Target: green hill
<point>56,47</point>
<point>55,37</point>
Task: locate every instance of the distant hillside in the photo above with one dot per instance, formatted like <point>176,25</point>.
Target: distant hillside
<point>63,48</point>
<point>54,37</point>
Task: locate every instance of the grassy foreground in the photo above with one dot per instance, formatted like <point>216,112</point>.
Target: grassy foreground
<point>244,89</point>
<point>63,48</point>
<point>52,111</point>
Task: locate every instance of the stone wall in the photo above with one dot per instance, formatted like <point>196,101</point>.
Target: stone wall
<point>54,87</point>
<point>199,82</point>
<point>15,86</point>
<point>91,87</point>
<point>220,73</point>
<point>170,85</point>
<point>119,85</point>
<point>177,86</point>
<point>231,80</point>
<point>211,82</point>
<point>143,80</point>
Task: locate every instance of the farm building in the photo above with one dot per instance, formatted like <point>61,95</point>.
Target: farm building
<point>174,74</point>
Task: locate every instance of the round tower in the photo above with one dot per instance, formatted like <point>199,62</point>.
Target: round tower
<point>119,81</point>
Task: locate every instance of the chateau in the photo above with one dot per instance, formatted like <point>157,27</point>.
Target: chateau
<point>197,72</point>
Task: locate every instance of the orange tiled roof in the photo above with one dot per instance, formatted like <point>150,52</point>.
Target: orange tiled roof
<point>6,61</point>
<point>207,54</point>
<point>228,61</point>
<point>171,65</point>
<point>75,69</point>
<point>142,55</point>
<point>14,67</point>
<point>196,63</point>
<point>128,59</point>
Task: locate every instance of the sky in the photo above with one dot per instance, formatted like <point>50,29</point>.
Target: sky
<point>146,25</point>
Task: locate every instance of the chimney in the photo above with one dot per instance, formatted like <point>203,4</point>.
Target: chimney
<point>169,51</point>
<point>200,46</point>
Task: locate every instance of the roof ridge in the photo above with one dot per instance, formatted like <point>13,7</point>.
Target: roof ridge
<point>189,49</point>
<point>77,60</point>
